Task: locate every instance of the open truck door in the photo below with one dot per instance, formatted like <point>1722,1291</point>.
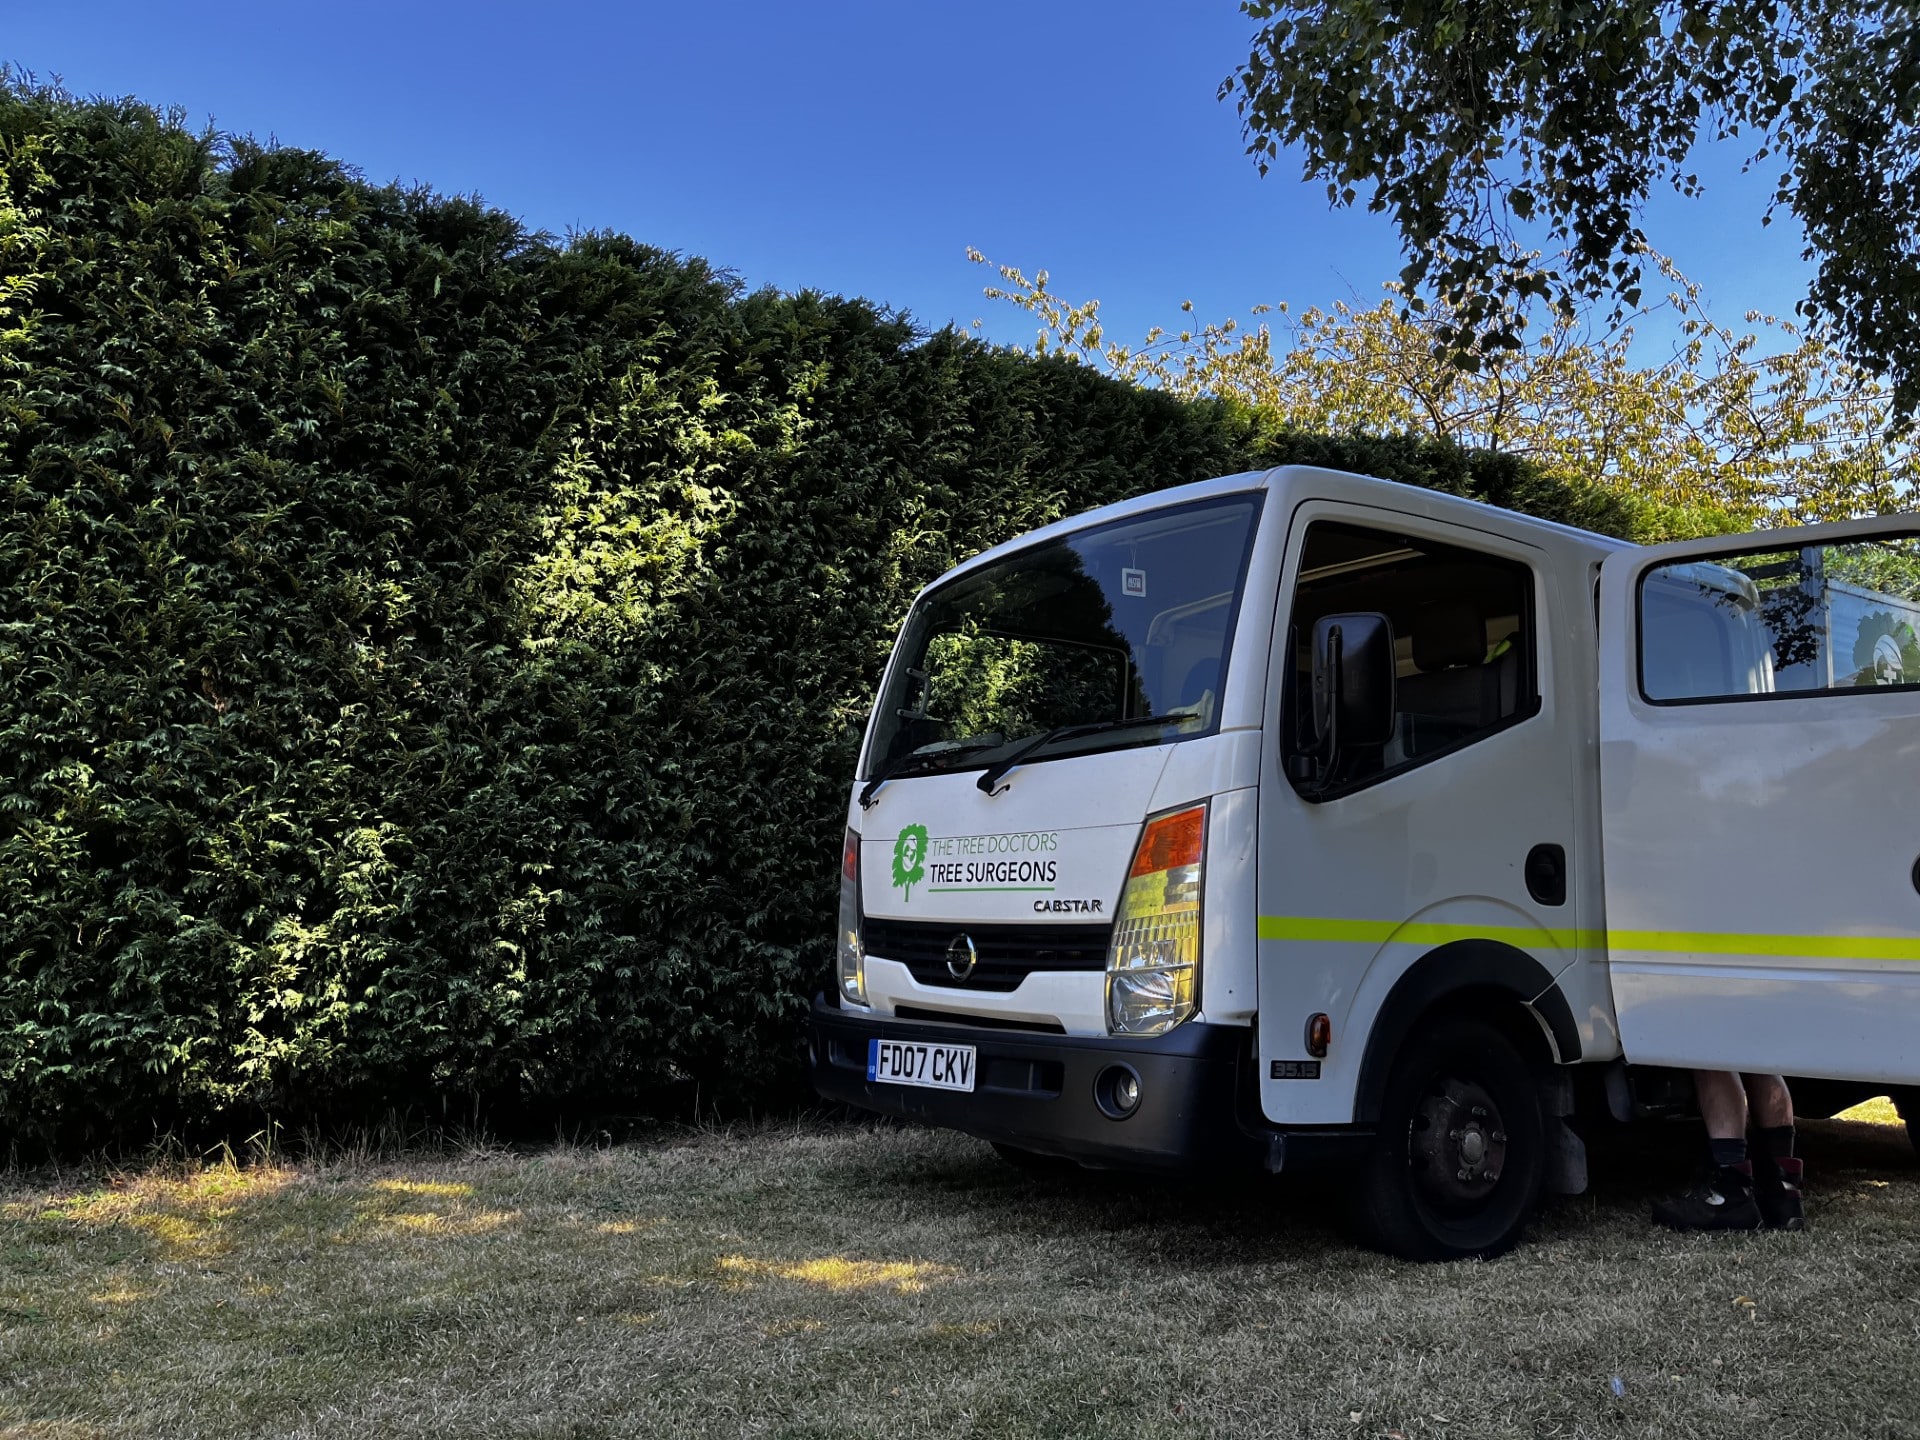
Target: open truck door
<point>1760,800</point>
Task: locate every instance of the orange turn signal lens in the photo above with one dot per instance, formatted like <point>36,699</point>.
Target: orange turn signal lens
<point>850,856</point>
<point>1319,1036</point>
<point>1171,841</point>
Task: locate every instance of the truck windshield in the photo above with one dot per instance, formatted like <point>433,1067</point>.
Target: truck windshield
<point>1119,622</point>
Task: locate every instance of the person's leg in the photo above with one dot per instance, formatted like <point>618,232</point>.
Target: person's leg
<point>1723,1198</point>
<point>1723,1105</point>
<point>1777,1171</point>
<point>1768,1101</point>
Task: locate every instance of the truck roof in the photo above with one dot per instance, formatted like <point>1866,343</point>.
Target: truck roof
<point>1328,484</point>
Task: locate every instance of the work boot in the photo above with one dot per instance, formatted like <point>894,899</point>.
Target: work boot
<point>1721,1199</point>
<point>1776,1190</point>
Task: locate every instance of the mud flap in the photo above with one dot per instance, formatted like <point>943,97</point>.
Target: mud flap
<point>1565,1170</point>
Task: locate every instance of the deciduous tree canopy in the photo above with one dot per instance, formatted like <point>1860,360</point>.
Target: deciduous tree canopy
<point>1466,120</point>
<point>1769,425</point>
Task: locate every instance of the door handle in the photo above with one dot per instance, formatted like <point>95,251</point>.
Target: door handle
<point>1547,874</point>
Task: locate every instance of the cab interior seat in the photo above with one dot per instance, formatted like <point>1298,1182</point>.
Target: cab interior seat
<point>1457,689</point>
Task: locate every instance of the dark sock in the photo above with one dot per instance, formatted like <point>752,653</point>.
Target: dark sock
<point>1776,1141</point>
<point>1727,1153</point>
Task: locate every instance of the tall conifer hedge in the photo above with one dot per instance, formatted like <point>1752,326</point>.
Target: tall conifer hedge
<point>431,656</point>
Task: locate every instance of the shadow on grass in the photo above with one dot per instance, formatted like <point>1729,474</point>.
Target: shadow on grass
<point>1235,1219</point>
<point>923,1179</point>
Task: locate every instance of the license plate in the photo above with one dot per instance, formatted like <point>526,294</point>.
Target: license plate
<point>906,1062</point>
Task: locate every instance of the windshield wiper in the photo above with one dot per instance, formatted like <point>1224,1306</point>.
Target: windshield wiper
<point>989,782</point>
<point>925,755</point>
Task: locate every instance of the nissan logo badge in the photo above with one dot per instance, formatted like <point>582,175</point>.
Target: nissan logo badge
<point>961,957</point>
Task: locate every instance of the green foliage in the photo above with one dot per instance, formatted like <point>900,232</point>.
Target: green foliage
<point>1469,122</point>
<point>431,656</point>
<point>1788,433</point>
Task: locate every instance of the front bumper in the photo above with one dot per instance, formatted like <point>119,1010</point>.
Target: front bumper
<point>1037,1092</point>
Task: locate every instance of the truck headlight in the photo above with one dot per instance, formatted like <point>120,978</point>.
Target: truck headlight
<point>1153,960</point>
<point>852,959</point>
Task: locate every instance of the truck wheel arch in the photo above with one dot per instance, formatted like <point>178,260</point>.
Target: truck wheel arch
<point>1453,976</point>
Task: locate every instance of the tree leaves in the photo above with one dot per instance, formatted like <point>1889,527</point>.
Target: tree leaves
<point>1720,431</point>
<point>1462,120</point>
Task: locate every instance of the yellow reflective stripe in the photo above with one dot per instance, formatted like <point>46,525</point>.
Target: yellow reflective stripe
<point>1668,942</point>
<point>1812,947</point>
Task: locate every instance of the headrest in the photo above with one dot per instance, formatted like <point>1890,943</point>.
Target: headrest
<point>1449,634</point>
<point>1201,678</point>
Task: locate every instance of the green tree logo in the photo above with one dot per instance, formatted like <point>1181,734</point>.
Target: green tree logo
<point>910,858</point>
<point>1886,651</point>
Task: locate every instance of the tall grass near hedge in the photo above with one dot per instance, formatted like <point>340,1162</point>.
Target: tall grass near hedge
<point>431,655</point>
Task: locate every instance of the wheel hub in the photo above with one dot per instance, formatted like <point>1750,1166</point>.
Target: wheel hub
<point>1457,1143</point>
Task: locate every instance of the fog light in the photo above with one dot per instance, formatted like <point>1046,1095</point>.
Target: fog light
<point>1117,1092</point>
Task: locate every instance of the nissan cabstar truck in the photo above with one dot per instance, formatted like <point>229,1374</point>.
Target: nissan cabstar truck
<point>1303,818</point>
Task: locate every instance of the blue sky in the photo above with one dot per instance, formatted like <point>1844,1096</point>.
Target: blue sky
<point>842,145</point>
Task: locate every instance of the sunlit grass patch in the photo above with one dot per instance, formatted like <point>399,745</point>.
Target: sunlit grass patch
<point>184,1216</point>
<point>836,1272</point>
<point>446,1189</point>
<point>180,1237</point>
<point>93,1207</point>
<point>627,1227</point>
<point>123,1293</point>
<point>408,1206</point>
<point>429,1222</point>
<point>1877,1111</point>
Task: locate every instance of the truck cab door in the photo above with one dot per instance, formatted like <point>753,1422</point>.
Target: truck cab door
<point>1388,854</point>
<point>1760,800</point>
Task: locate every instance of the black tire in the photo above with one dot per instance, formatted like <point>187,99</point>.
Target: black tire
<point>1456,1165</point>
<point>1907,1102</point>
<point>1034,1163</point>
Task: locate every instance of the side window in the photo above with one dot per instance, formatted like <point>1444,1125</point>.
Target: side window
<point>1463,640</point>
<point>1757,624</point>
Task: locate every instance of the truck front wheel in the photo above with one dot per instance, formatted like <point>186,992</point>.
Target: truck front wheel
<point>1456,1164</point>
<point>1907,1102</point>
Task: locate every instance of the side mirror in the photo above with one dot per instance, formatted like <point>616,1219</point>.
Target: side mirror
<point>1352,683</point>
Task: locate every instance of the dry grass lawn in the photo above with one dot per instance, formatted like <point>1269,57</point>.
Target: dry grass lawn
<point>831,1280</point>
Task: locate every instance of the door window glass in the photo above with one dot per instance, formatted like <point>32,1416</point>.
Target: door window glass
<point>1463,634</point>
<point>1755,624</point>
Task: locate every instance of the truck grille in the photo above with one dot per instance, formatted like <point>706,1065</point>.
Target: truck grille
<point>1008,953</point>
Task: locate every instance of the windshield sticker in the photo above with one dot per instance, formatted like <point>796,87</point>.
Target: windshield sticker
<point>1133,582</point>
<point>950,864</point>
<point>910,859</point>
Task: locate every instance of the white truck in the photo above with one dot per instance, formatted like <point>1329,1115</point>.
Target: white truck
<point>1303,817</point>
